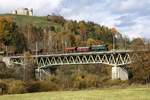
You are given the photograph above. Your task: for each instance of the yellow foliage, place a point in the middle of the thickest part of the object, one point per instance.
(92, 41)
(3, 20)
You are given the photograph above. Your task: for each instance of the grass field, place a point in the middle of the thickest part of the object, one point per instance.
(39, 21)
(101, 94)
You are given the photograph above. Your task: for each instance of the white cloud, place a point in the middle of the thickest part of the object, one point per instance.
(130, 4)
(140, 29)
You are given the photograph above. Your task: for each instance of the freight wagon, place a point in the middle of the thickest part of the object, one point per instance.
(96, 48)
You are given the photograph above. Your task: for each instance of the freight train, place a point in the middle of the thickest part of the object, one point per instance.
(95, 48)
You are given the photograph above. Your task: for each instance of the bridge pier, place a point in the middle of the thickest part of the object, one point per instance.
(41, 73)
(38, 74)
(119, 73)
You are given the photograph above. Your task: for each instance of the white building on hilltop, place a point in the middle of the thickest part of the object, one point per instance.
(23, 11)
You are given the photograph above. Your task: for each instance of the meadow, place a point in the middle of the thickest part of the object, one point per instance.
(99, 94)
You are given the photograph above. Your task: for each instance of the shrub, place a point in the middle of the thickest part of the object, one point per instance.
(16, 87)
(117, 82)
(41, 86)
(51, 83)
(82, 81)
(3, 87)
(48, 86)
(33, 86)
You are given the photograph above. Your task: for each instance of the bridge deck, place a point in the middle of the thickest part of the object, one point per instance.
(76, 53)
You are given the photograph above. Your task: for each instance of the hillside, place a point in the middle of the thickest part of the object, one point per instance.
(52, 33)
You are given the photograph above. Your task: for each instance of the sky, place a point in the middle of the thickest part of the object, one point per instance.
(130, 17)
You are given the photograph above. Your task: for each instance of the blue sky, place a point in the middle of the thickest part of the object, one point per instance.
(130, 17)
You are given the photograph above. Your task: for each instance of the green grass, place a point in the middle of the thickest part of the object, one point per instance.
(27, 20)
(39, 21)
(103, 94)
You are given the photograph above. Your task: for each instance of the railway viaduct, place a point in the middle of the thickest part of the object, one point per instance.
(119, 60)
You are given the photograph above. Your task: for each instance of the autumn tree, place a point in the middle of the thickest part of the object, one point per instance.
(83, 30)
(11, 36)
(91, 41)
(137, 44)
(141, 68)
(68, 27)
(56, 18)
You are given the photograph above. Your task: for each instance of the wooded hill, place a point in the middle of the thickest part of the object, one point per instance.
(52, 33)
